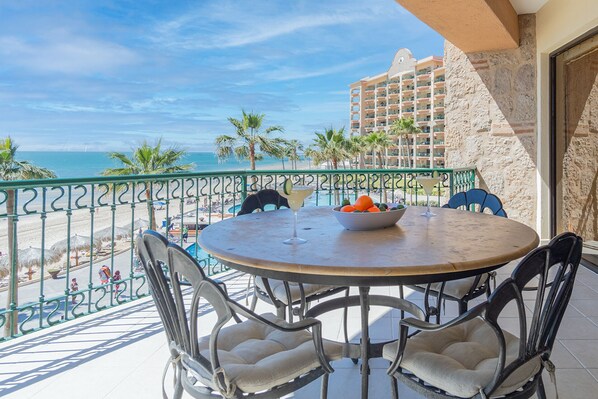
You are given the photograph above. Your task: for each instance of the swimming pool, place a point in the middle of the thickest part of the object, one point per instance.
(196, 251)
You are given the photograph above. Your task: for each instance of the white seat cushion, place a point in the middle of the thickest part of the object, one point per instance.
(457, 288)
(256, 357)
(280, 292)
(462, 359)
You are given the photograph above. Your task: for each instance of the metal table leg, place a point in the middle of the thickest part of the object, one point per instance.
(365, 339)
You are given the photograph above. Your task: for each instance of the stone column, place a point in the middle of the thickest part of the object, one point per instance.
(490, 119)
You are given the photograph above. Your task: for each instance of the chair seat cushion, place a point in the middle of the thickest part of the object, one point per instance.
(280, 292)
(457, 288)
(462, 359)
(255, 357)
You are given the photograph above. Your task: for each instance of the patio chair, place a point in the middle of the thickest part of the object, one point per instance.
(282, 294)
(260, 357)
(463, 290)
(472, 356)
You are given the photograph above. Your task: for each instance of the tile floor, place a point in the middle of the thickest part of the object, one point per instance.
(121, 353)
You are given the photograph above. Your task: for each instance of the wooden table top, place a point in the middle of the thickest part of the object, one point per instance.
(451, 245)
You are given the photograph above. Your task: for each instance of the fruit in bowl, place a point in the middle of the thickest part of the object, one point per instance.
(365, 214)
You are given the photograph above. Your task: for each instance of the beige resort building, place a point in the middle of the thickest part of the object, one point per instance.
(410, 89)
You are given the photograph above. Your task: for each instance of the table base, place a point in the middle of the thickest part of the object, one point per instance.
(365, 349)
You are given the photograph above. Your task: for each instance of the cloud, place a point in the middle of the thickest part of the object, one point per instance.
(65, 53)
(223, 26)
(290, 73)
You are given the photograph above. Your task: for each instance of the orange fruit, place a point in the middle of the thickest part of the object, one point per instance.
(348, 208)
(363, 203)
(374, 209)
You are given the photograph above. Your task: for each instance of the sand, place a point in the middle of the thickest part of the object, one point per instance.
(59, 225)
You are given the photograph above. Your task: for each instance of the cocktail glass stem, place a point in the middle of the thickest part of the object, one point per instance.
(295, 240)
(428, 212)
(295, 225)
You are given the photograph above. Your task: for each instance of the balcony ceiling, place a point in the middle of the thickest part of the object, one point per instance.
(473, 25)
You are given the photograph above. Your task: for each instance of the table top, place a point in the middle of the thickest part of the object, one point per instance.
(417, 249)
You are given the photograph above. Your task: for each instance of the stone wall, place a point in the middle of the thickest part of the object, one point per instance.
(490, 111)
(580, 160)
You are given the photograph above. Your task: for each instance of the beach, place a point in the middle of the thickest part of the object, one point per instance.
(58, 225)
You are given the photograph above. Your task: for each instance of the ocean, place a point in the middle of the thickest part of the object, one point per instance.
(67, 164)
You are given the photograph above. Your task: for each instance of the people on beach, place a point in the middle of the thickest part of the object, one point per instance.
(116, 279)
(185, 233)
(104, 274)
(74, 288)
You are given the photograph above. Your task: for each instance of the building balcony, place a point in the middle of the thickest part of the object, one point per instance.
(100, 347)
(439, 94)
(425, 98)
(369, 99)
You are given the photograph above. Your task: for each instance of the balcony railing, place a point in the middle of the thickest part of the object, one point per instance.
(45, 212)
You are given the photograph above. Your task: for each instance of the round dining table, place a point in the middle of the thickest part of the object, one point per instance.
(417, 250)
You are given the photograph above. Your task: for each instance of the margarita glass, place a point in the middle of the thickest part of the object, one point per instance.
(297, 195)
(428, 183)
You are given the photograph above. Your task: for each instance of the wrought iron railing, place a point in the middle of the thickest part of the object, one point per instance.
(98, 219)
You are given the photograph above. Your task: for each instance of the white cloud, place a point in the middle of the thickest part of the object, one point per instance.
(233, 27)
(65, 53)
(290, 73)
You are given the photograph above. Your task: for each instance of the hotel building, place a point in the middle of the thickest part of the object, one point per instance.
(409, 89)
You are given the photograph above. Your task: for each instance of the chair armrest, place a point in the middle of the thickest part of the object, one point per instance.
(285, 326)
(281, 325)
(426, 326)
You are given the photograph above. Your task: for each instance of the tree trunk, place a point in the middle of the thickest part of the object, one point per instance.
(409, 155)
(12, 323)
(150, 209)
(400, 164)
(252, 156)
(282, 159)
(381, 165)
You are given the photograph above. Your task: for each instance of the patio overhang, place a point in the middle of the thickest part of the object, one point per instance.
(471, 25)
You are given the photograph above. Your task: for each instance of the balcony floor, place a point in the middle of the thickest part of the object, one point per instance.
(121, 353)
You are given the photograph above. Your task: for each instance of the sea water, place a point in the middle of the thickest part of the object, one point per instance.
(70, 164)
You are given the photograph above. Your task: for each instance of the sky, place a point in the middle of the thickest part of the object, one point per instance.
(106, 75)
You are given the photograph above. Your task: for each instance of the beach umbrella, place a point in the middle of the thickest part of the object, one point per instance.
(137, 224)
(77, 243)
(106, 234)
(29, 258)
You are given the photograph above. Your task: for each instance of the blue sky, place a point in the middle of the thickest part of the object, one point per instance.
(105, 75)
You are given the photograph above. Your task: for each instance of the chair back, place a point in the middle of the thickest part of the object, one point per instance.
(260, 199)
(179, 312)
(551, 269)
(479, 197)
(152, 252)
(183, 267)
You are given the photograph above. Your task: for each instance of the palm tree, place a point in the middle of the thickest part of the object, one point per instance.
(294, 147)
(405, 128)
(12, 169)
(355, 147)
(280, 150)
(332, 146)
(249, 140)
(149, 160)
(378, 142)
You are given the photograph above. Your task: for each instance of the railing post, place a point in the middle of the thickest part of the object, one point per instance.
(243, 186)
(452, 183)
